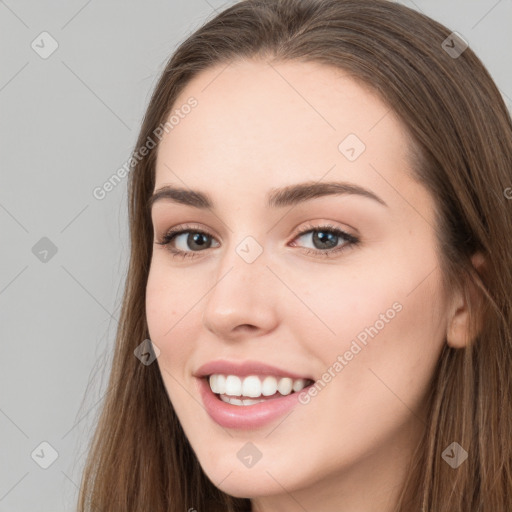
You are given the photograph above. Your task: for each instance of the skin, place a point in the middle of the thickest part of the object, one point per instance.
(257, 127)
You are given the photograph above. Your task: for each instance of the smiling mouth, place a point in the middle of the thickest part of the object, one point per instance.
(253, 389)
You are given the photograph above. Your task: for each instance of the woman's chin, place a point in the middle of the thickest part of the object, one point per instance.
(247, 483)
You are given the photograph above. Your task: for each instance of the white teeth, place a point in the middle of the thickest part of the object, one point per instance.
(217, 382)
(253, 386)
(233, 386)
(269, 386)
(213, 383)
(237, 401)
(285, 386)
(299, 384)
(234, 401)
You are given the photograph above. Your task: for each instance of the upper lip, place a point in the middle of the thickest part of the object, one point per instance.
(244, 368)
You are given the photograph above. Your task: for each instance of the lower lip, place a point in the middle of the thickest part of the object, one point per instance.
(245, 416)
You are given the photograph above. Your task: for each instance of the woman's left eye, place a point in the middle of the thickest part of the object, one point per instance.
(326, 237)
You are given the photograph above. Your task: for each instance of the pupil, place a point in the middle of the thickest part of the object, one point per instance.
(196, 239)
(323, 238)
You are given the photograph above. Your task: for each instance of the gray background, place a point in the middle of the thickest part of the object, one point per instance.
(67, 123)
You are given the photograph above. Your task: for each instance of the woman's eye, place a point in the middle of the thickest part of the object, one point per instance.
(326, 240)
(185, 242)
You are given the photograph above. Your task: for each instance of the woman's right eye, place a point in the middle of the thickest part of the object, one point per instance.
(187, 238)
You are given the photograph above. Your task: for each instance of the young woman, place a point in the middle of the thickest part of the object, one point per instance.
(318, 309)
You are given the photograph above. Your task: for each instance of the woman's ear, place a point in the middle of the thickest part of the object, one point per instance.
(459, 328)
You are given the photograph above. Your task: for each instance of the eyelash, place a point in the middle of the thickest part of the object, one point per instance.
(350, 240)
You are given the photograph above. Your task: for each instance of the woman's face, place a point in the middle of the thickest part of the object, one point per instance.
(362, 315)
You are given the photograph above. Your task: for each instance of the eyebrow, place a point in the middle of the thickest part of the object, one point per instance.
(277, 198)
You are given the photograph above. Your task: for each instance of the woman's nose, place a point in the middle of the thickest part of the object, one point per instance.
(244, 294)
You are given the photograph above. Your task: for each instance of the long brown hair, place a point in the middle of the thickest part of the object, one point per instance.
(461, 136)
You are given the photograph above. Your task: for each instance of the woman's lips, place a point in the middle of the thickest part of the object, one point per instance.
(245, 416)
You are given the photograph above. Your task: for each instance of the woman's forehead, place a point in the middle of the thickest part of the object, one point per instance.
(294, 119)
